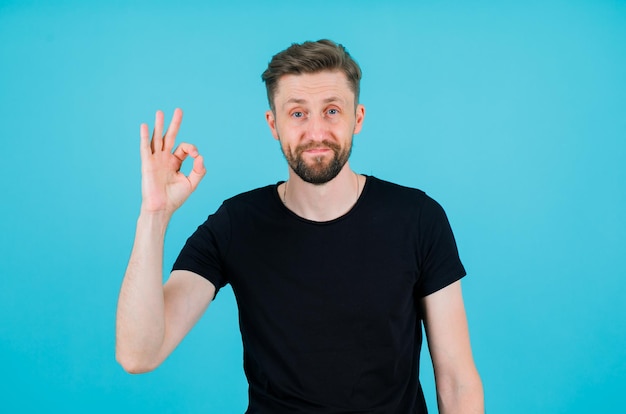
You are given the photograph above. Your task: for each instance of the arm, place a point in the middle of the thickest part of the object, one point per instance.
(459, 388)
(151, 318)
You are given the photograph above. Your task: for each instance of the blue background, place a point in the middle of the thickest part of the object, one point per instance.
(510, 114)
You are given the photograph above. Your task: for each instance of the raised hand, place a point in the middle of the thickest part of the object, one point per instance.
(164, 188)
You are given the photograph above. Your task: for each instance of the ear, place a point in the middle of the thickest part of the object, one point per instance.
(271, 122)
(360, 116)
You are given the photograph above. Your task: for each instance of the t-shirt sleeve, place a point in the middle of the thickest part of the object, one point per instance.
(440, 264)
(206, 248)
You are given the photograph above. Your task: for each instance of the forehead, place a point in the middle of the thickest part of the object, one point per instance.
(313, 87)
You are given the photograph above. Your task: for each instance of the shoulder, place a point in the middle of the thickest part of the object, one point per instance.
(261, 194)
(403, 201)
(389, 189)
(240, 210)
(261, 201)
(391, 193)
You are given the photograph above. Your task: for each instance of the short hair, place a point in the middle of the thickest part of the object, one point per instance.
(311, 57)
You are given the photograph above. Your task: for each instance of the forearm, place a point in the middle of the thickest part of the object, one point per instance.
(140, 311)
(461, 397)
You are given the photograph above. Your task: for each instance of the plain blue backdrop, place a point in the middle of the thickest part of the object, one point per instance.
(510, 114)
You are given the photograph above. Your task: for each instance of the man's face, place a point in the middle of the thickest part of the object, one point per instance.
(314, 119)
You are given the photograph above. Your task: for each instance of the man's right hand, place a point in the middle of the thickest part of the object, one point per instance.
(164, 187)
(151, 318)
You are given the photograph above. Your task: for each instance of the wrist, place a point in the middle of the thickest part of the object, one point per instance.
(158, 219)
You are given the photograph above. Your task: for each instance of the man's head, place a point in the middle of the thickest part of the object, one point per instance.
(313, 92)
(311, 57)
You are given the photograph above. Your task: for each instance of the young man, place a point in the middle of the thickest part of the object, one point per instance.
(333, 271)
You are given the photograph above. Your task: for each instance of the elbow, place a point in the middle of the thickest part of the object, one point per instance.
(133, 364)
(457, 394)
(134, 368)
(136, 357)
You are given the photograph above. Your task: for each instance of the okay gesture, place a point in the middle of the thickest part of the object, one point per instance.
(164, 187)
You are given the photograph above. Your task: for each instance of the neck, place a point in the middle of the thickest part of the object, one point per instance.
(322, 202)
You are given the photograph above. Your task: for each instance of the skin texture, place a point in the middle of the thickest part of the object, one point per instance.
(152, 318)
(315, 119)
(459, 388)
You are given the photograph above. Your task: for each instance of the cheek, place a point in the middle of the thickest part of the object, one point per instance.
(290, 132)
(285, 147)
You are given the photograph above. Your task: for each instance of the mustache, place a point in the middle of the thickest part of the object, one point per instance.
(326, 144)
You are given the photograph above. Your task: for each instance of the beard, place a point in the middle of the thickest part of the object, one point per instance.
(319, 170)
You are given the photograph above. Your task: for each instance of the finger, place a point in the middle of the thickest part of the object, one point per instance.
(197, 173)
(157, 135)
(144, 142)
(184, 150)
(172, 130)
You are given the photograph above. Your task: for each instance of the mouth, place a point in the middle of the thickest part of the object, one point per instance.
(317, 151)
(317, 147)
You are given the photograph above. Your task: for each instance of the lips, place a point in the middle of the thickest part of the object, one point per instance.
(318, 147)
(317, 150)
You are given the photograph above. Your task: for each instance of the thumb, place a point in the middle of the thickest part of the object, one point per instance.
(197, 173)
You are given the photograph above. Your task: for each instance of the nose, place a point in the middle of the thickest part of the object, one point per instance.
(317, 128)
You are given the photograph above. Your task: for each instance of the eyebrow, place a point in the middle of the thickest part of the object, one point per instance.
(300, 101)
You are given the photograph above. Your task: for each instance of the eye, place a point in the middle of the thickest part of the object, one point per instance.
(297, 114)
(333, 111)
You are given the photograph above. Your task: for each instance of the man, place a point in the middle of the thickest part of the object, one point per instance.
(333, 271)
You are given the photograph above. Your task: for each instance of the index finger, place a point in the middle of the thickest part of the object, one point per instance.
(144, 143)
(172, 130)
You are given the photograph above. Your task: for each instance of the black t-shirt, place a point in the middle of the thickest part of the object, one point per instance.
(329, 312)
